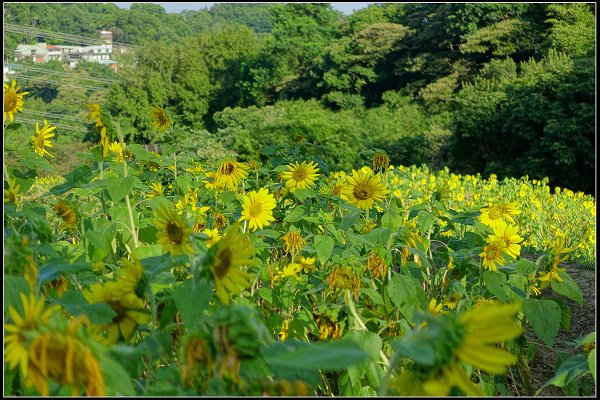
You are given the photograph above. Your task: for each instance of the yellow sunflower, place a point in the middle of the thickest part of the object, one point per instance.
(493, 253)
(41, 139)
(494, 213)
(62, 357)
(257, 208)
(213, 236)
(230, 174)
(226, 257)
(101, 126)
(300, 176)
(129, 309)
(363, 189)
(307, 263)
(12, 195)
(173, 234)
(160, 119)
(35, 315)
(13, 100)
(509, 234)
(157, 190)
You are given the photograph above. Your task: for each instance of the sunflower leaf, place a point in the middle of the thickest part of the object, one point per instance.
(544, 317)
(324, 246)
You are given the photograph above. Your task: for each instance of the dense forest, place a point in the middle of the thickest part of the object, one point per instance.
(503, 88)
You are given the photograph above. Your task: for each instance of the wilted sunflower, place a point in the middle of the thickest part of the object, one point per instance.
(230, 174)
(13, 100)
(67, 213)
(293, 242)
(300, 176)
(64, 358)
(101, 126)
(41, 139)
(160, 119)
(173, 232)
(257, 208)
(35, 314)
(363, 189)
(380, 161)
(226, 257)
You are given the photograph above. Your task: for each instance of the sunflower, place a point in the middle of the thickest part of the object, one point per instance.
(64, 358)
(225, 258)
(118, 150)
(257, 208)
(12, 195)
(300, 176)
(41, 139)
(494, 213)
(363, 189)
(213, 236)
(67, 213)
(484, 325)
(173, 232)
(101, 127)
(307, 263)
(380, 161)
(289, 271)
(160, 119)
(377, 263)
(344, 278)
(508, 233)
(293, 242)
(493, 253)
(157, 190)
(35, 315)
(13, 100)
(129, 309)
(230, 174)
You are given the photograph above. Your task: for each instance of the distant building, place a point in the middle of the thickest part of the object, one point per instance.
(71, 55)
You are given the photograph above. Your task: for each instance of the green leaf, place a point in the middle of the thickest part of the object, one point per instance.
(324, 246)
(116, 378)
(568, 288)
(417, 347)
(75, 178)
(591, 360)
(191, 301)
(295, 215)
(544, 317)
(525, 267)
(569, 370)
(119, 188)
(13, 285)
(406, 293)
(76, 304)
(424, 221)
(327, 356)
(496, 283)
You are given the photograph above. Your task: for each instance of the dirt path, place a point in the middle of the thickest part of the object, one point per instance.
(583, 321)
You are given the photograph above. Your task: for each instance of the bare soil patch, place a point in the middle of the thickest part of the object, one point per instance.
(583, 321)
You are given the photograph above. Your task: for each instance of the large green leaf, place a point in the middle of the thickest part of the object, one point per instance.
(406, 293)
(568, 288)
(13, 285)
(324, 246)
(192, 298)
(496, 283)
(326, 356)
(544, 317)
(116, 378)
(569, 370)
(119, 188)
(76, 304)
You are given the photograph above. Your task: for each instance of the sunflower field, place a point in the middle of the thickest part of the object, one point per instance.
(147, 274)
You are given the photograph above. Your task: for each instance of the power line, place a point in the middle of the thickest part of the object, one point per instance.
(35, 79)
(65, 74)
(51, 115)
(66, 127)
(41, 32)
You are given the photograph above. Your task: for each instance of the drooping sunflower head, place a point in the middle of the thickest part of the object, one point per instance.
(363, 189)
(160, 119)
(257, 208)
(66, 359)
(300, 176)
(66, 211)
(41, 139)
(13, 100)
(294, 242)
(378, 262)
(344, 277)
(230, 174)
(380, 161)
(225, 260)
